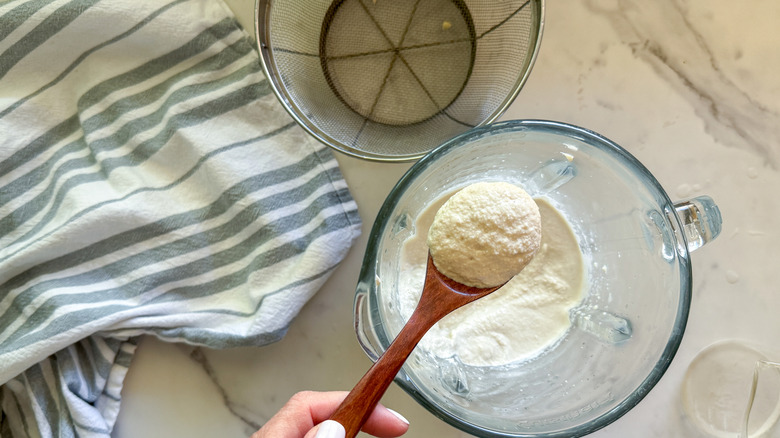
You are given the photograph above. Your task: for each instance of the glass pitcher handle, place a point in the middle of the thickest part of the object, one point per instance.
(701, 220)
(763, 407)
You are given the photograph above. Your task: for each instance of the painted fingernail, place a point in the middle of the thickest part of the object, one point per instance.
(400, 417)
(330, 429)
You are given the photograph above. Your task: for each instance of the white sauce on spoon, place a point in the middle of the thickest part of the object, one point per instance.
(516, 322)
(485, 234)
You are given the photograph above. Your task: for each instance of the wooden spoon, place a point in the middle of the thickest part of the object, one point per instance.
(440, 296)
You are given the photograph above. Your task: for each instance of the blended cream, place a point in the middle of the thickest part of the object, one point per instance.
(519, 320)
(485, 234)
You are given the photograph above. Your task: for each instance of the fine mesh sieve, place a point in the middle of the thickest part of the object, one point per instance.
(389, 80)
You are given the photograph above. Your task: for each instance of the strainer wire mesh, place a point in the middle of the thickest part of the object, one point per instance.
(391, 79)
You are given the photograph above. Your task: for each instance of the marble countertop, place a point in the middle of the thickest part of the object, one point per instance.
(690, 87)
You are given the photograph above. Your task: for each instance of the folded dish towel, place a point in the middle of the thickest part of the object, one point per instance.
(150, 183)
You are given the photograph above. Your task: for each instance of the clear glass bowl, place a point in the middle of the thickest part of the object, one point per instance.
(636, 244)
(732, 390)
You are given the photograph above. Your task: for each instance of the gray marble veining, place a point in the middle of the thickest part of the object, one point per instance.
(690, 87)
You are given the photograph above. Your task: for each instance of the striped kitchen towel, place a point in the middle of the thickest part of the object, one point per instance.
(150, 183)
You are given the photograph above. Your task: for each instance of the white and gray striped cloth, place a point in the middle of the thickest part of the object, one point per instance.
(150, 183)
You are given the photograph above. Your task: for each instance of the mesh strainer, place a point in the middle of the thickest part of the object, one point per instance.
(389, 80)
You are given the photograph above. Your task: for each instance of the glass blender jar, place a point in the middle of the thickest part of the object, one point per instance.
(636, 242)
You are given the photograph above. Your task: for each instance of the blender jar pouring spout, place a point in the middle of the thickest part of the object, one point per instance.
(700, 219)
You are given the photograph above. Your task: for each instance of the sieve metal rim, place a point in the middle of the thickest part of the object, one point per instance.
(262, 37)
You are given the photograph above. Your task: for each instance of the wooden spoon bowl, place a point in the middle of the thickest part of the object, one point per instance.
(440, 296)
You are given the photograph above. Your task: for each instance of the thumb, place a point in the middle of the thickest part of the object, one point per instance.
(329, 429)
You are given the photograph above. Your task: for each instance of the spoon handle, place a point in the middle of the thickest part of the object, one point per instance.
(361, 401)
(440, 296)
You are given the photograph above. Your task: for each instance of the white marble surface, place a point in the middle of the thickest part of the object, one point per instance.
(690, 87)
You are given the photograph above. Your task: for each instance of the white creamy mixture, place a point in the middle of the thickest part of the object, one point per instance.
(516, 322)
(485, 234)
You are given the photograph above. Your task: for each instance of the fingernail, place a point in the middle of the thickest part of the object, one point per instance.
(400, 417)
(330, 429)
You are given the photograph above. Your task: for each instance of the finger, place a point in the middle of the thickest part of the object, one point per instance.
(385, 423)
(382, 423)
(294, 419)
(300, 414)
(306, 409)
(327, 429)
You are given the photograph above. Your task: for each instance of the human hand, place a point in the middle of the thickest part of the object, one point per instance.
(304, 415)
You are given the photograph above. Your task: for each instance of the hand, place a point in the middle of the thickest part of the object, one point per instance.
(304, 415)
